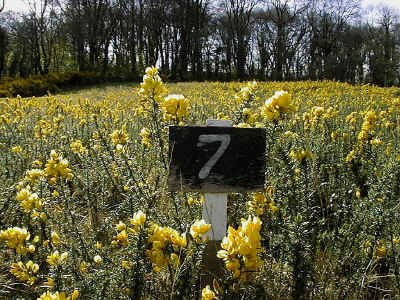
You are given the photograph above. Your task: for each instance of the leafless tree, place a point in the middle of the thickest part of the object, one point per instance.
(238, 20)
(203, 39)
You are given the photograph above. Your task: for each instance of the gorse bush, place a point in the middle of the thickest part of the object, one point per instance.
(39, 85)
(85, 212)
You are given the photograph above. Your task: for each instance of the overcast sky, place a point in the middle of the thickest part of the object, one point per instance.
(20, 5)
(392, 3)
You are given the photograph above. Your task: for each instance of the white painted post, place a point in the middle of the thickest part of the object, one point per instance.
(215, 204)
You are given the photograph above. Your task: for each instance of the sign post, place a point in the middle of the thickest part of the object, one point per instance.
(215, 212)
(216, 159)
(215, 204)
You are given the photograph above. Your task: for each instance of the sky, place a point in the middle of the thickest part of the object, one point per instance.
(20, 5)
(390, 3)
(16, 5)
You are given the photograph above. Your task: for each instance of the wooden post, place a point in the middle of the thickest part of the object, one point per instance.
(214, 213)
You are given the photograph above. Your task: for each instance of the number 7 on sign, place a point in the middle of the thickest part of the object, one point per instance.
(204, 139)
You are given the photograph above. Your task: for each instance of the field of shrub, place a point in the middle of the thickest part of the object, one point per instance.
(40, 85)
(85, 211)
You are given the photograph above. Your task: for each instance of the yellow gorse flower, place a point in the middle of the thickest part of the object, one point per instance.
(280, 102)
(259, 202)
(119, 137)
(50, 282)
(199, 229)
(240, 248)
(245, 94)
(160, 237)
(207, 294)
(25, 272)
(126, 264)
(145, 134)
(152, 85)
(78, 148)
(381, 250)
(83, 267)
(16, 149)
(300, 155)
(121, 238)
(175, 106)
(55, 238)
(16, 238)
(56, 258)
(57, 167)
(75, 295)
(120, 226)
(138, 219)
(34, 175)
(54, 296)
(28, 201)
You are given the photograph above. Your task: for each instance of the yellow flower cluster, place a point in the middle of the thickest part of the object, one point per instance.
(245, 94)
(59, 296)
(34, 175)
(78, 148)
(152, 85)
(318, 115)
(260, 201)
(57, 120)
(43, 129)
(57, 167)
(25, 272)
(119, 136)
(241, 248)
(352, 119)
(351, 156)
(175, 107)
(138, 219)
(29, 201)
(145, 134)
(126, 264)
(207, 294)
(366, 134)
(55, 238)
(367, 128)
(280, 102)
(300, 155)
(16, 238)
(199, 229)
(122, 237)
(381, 251)
(250, 117)
(161, 238)
(55, 258)
(16, 149)
(195, 201)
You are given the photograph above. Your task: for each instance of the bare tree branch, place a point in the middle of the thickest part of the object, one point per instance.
(2, 7)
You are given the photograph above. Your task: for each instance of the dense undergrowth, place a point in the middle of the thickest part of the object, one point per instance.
(40, 85)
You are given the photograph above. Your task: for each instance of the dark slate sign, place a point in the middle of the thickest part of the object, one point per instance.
(216, 159)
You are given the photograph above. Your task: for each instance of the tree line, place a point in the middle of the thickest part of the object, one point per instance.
(203, 40)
